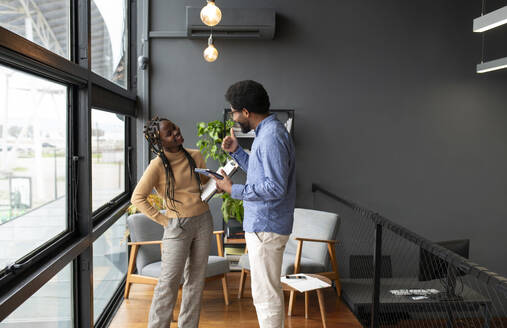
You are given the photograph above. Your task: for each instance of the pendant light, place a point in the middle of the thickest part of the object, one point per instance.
(210, 53)
(211, 14)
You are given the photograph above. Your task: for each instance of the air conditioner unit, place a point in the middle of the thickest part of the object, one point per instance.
(236, 23)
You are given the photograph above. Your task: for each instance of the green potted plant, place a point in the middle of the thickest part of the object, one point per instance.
(154, 199)
(210, 139)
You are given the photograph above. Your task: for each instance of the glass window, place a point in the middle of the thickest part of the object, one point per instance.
(108, 157)
(51, 306)
(109, 264)
(110, 40)
(33, 167)
(43, 22)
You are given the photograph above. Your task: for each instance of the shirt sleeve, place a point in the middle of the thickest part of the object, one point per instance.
(241, 157)
(143, 189)
(200, 163)
(275, 163)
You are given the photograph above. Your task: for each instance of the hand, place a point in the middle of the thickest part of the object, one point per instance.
(224, 185)
(219, 191)
(230, 143)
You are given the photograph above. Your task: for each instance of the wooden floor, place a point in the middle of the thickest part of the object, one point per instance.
(133, 313)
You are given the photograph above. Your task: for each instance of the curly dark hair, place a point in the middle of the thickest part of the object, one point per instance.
(152, 135)
(250, 95)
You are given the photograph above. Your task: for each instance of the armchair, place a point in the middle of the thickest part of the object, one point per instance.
(317, 231)
(146, 236)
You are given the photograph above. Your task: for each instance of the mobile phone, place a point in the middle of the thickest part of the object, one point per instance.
(295, 277)
(209, 173)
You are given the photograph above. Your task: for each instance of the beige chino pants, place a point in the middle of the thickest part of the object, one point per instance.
(185, 248)
(265, 253)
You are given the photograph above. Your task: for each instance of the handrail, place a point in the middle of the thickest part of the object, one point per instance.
(469, 267)
(355, 207)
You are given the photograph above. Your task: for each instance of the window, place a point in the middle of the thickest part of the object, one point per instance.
(33, 166)
(110, 40)
(48, 92)
(108, 157)
(43, 22)
(51, 306)
(109, 264)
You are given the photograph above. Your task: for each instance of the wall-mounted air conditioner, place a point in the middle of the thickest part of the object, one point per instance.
(237, 23)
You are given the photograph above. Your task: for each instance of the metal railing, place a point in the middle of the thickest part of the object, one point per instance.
(393, 277)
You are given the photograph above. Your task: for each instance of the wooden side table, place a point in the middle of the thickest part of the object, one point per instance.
(319, 295)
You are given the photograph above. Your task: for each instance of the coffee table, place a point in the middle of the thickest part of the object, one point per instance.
(320, 296)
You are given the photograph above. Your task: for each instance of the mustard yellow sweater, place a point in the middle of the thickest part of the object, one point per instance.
(186, 189)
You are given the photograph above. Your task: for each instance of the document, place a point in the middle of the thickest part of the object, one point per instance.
(414, 292)
(210, 188)
(306, 284)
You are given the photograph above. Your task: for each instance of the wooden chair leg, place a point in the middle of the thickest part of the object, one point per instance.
(291, 302)
(322, 307)
(130, 270)
(306, 305)
(127, 289)
(242, 280)
(338, 286)
(334, 264)
(297, 262)
(226, 289)
(175, 318)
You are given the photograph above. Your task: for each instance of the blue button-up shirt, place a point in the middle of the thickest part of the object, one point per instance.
(269, 194)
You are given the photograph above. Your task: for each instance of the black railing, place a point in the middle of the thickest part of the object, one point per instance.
(405, 280)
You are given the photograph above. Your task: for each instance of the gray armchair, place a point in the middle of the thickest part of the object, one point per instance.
(317, 230)
(146, 241)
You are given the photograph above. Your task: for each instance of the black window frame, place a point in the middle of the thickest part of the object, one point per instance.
(105, 209)
(86, 89)
(19, 266)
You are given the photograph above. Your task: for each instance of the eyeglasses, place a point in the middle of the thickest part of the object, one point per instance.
(232, 112)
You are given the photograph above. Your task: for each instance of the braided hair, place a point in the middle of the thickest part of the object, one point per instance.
(152, 135)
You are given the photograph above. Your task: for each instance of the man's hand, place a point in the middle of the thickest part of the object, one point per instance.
(230, 143)
(225, 184)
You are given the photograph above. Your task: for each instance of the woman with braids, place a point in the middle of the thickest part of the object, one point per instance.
(187, 223)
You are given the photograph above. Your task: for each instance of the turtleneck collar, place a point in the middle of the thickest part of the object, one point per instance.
(174, 156)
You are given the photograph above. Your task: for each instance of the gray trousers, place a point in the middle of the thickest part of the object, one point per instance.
(185, 249)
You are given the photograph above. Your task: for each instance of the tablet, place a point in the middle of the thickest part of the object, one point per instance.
(209, 173)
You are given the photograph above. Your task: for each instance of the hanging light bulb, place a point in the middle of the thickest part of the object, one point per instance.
(210, 53)
(211, 14)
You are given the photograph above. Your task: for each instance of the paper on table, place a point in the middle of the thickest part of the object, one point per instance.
(304, 285)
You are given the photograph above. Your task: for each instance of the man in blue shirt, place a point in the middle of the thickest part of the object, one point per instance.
(268, 195)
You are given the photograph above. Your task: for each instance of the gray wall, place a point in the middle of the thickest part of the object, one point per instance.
(389, 110)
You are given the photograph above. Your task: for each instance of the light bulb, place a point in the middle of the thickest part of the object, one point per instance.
(210, 53)
(211, 14)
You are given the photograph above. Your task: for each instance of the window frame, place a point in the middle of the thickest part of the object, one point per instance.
(129, 18)
(84, 92)
(16, 306)
(53, 243)
(107, 208)
(108, 311)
